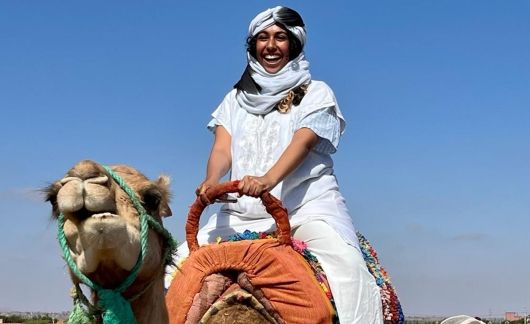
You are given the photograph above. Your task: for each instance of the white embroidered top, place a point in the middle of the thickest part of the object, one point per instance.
(310, 192)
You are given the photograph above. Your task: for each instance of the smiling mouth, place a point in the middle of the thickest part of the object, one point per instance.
(272, 59)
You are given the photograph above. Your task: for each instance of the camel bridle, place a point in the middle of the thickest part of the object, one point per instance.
(112, 306)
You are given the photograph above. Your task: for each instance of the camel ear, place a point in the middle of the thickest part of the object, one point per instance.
(163, 184)
(163, 181)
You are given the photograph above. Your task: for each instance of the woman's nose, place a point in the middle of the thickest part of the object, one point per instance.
(271, 44)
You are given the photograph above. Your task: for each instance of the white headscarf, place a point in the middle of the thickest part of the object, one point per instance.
(260, 91)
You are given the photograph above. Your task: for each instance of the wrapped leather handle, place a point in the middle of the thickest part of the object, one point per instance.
(272, 204)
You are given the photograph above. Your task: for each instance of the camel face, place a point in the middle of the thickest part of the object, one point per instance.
(101, 224)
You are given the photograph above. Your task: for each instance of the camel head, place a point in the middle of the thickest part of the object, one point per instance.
(103, 230)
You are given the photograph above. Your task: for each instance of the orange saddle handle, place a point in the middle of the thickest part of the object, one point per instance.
(272, 204)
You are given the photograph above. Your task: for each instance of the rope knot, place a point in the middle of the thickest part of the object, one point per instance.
(117, 310)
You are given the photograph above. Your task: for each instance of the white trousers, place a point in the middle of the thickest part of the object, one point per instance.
(354, 289)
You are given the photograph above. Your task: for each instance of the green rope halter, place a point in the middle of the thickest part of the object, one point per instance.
(116, 309)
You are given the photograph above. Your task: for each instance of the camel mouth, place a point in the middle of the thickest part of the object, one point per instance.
(85, 214)
(103, 215)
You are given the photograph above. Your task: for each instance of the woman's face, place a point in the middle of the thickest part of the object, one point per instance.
(272, 48)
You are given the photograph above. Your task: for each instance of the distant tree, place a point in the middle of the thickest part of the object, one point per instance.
(36, 319)
(14, 319)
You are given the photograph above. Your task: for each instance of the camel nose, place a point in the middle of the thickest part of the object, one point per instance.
(87, 169)
(103, 180)
(86, 189)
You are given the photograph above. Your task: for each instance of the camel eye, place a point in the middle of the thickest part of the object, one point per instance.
(152, 198)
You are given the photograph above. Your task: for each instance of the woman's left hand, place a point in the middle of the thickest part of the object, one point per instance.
(255, 186)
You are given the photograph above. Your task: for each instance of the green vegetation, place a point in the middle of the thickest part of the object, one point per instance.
(27, 319)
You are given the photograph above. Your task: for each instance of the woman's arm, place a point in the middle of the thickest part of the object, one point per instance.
(220, 160)
(301, 144)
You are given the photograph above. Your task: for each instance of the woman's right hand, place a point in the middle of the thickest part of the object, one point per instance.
(203, 187)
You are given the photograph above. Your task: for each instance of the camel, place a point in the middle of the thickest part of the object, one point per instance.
(101, 213)
(102, 229)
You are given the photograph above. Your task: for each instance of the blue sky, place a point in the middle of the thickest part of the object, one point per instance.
(434, 163)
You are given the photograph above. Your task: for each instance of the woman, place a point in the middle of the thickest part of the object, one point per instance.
(276, 130)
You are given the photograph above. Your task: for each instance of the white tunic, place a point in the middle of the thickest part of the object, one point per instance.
(310, 192)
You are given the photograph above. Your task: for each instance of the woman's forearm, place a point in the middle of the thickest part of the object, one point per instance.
(301, 144)
(220, 160)
(218, 165)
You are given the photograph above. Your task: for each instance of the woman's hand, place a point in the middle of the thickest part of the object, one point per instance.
(203, 187)
(255, 186)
